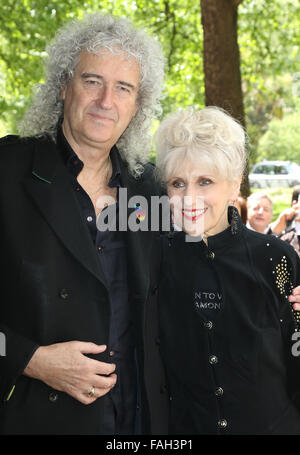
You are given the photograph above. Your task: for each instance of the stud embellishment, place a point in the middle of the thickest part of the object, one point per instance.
(234, 224)
(283, 277)
(284, 284)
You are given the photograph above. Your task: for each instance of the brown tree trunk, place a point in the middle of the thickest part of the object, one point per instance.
(223, 85)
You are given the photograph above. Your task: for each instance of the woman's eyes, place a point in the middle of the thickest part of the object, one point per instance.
(204, 182)
(178, 184)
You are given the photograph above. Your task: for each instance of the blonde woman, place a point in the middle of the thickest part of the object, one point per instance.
(227, 329)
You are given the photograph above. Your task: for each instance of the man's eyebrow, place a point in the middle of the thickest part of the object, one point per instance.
(98, 76)
(86, 75)
(128, 84)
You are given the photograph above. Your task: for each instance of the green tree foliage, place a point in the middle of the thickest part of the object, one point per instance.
(268, 38)
(177, 25)
(282, 139)
(26, 28)
(28, 25)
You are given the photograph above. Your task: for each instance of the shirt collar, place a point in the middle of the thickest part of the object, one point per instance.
(266, 231)
(75, 165)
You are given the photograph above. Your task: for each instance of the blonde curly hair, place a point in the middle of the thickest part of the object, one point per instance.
(209, 136)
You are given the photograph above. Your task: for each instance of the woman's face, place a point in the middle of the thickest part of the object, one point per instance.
(200, 198)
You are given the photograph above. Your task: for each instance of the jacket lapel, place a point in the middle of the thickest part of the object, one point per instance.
(50, 187)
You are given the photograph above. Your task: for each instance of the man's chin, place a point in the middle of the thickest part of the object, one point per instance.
(101, 138)
(260, 225)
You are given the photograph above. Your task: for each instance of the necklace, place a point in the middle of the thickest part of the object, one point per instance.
(103, 184)
(204, 238)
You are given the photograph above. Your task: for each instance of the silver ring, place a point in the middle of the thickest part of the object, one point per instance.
(91, 393)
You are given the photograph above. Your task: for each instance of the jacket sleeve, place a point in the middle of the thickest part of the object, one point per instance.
(15, 353)
(290, 320)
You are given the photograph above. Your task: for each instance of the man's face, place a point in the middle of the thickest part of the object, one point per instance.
(260, 214)
(100, 100)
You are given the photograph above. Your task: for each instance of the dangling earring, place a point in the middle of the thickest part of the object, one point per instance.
(234, 222)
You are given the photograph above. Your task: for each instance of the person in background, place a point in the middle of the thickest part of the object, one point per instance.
(226, 324)
(260, 212)
(290, 224)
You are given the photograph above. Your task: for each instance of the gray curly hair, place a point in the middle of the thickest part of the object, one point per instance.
(90, 34)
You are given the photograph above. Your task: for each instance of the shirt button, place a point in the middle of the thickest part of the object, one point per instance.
(208, 324)
(219, 391)
(53, 397)
(222, 423)
(111, 353)
(100, 248)
(64, 294)
(213, 359)
(89, 219)
(211, 255)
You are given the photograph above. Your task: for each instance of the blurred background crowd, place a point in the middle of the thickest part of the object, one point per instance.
(257, 213)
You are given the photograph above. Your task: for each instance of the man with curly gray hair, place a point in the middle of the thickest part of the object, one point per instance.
(74, 297)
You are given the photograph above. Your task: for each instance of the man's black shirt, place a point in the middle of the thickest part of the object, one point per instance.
(120, 402)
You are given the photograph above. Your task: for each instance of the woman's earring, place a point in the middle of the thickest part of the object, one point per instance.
(234, 223)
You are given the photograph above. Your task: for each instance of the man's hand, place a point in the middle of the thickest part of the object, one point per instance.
(295, 297)
(64, 367)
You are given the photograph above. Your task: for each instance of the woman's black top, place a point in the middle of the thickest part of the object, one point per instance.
(226, 331)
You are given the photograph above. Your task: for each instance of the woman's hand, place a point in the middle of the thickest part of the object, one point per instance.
(295, 298)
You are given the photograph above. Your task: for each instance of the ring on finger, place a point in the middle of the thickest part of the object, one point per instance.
(91, 392)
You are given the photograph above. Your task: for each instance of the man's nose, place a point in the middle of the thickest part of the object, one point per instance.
(260, 210)
(105, 98)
